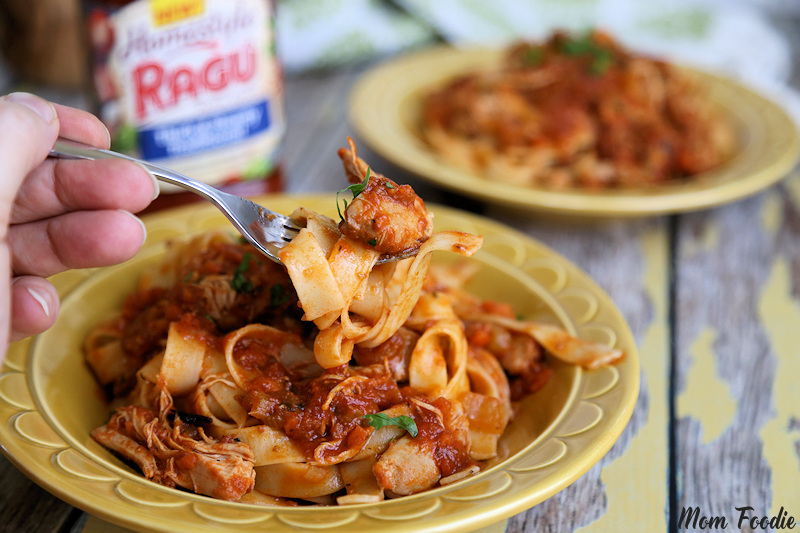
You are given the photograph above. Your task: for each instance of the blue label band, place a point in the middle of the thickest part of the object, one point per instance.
(207, 133)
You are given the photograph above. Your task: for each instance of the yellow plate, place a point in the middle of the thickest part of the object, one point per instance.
(49, 401)
(385, 110)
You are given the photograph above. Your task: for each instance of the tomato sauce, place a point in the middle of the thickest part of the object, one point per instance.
(442, 443)
(298, 408)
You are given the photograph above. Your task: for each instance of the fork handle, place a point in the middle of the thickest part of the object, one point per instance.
(64, 149)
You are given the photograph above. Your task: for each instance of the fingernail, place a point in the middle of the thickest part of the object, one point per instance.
(139, 220)
(40, 106)
(156, 188)
(41, 299)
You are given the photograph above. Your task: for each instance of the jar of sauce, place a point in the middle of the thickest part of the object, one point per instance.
(192, 85)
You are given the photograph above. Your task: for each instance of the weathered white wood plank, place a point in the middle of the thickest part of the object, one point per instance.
(629, 259)
(738, 312)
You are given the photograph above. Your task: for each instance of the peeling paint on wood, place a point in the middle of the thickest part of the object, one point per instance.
(707, 398)
(780, 315)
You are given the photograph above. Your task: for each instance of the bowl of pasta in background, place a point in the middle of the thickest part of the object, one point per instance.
(50, 401)
(386, 109)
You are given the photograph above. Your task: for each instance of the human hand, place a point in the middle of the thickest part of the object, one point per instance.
(58, 214)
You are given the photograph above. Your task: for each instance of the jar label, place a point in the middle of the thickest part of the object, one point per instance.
(191, 84)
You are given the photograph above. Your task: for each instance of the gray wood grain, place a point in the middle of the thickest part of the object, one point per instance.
(719, 286)
(612, 254)
(24, 506)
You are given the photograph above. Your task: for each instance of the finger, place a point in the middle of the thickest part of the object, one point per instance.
(28, 128)
(81, 239)
(34, 306)
(58, 186)
(83, 127)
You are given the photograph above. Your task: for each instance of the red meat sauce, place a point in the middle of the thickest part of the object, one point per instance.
(297, 408)
(450, 453)
(205, 289)
(285, 401)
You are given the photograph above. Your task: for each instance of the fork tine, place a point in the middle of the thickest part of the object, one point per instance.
(289, 232)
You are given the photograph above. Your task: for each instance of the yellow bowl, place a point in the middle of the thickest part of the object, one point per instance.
(49, 401)
(385, 110)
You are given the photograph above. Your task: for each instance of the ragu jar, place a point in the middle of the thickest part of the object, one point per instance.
(192, 85)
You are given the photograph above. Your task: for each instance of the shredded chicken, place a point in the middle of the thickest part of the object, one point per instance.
(218, 294)
(180, 455)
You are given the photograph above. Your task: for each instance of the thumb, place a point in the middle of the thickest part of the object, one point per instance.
(28, 128)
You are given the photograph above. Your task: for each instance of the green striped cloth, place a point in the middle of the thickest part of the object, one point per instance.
(713, 34)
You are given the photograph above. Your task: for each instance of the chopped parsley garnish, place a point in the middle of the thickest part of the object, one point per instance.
(240, 283)
(390, 185)
(189, 276)
(278, 296)
(576, 47)
(533, 57)
(372, 242)
(379, 420)
(602, 57)
(355, 188)
(602, 62)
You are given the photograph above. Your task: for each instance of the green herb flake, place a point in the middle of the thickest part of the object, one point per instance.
(533, 57)
(337, 205)
(372, 242)
(602, 57)
(188, 276)
(278, 296)
(390, 185)
(355, 188)
(575, 47)
(379, 420)
(239, 282)
(601, 63)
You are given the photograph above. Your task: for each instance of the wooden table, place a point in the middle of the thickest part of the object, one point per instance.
(713, 299)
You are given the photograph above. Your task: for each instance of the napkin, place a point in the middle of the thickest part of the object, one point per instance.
(731, 37)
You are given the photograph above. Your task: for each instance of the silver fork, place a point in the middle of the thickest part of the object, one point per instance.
(266, 230)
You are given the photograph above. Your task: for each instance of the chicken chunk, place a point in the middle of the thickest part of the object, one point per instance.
(405, 469)
(388, 216)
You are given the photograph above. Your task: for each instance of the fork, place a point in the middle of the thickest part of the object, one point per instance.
(265, 229)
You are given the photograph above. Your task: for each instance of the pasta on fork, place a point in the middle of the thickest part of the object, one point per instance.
(330, 379)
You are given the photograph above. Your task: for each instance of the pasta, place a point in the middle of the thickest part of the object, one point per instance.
(330, 379)
(577, 111)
